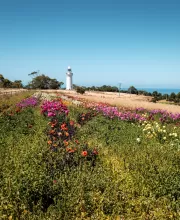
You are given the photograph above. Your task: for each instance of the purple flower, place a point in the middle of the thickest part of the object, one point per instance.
(29, 102)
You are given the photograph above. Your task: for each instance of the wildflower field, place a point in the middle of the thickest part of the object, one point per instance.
(66, 158)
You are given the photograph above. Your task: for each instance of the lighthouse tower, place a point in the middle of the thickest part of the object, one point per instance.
(69, 75)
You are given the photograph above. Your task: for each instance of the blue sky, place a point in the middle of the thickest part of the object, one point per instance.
(135, 42)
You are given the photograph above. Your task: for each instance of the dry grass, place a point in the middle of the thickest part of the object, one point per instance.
(4, 92)
(125, 100)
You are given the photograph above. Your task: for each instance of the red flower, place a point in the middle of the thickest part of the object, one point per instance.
(84, 153)
(54, 181)
(53, 125)
(77, 142)
(71, 123)
(95, 152)
(63, 127)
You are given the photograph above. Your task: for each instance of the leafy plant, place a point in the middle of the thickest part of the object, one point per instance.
(80, 90)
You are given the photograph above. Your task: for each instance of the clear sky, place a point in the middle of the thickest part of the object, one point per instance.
(136, 42)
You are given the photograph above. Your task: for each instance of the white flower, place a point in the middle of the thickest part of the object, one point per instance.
(138, 140)
(164, 138)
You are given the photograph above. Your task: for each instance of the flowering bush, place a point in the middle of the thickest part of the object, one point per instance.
(53, 108)
(159, 132)
(42, 96)
(128, 114)
(162, 115)
(113, 112)
(61, 131)
(55, 174)
(82, 118)
(29, 102)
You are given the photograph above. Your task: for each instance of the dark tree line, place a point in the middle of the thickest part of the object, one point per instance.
(104, 88)
(156, 96)
(6, 83)
(44, 82)
(37, 82)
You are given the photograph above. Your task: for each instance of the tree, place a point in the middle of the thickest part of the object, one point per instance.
(172, 96)
(165, 96)
(132, 90)
(44, 82)
(61, 84)
(178, 95)
(17, 84)
(7, 83)
(75, 86)
(80, 90)
(1, 80)
(155, 94)
(54, 84)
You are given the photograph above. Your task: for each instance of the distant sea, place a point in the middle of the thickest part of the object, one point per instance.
(161, 90)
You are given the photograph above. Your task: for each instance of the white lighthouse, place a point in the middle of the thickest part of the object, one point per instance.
(69, 75)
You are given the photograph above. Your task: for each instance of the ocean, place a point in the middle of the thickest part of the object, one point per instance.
(161, 90)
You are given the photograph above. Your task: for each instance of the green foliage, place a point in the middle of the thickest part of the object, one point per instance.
(132, 90)
(172, 96)
(8, 102)
(131, 180)
(150, 170)
(154, 99)
(104, 88)
(6, 83)
(80, 90)
(44, 82)
(17, 84)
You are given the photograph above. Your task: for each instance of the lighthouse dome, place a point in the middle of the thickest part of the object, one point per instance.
(69, 68)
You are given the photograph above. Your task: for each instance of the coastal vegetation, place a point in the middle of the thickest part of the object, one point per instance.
(45, 82)
(67, 158)
(6, 83)
(37, 82)
(155, 96)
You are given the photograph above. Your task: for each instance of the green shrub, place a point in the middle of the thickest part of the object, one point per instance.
(80, 90)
